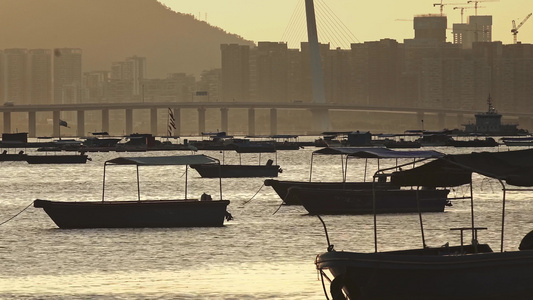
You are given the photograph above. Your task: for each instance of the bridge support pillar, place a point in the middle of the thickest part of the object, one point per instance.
(81, 123)
(129, 121)
(273, 121)
(7, 122)
(32, 124)
(251, 121)
(153, 121)
(420, 119)
(55, 123)
(201, 120)
(105, 120)
(224, 119)
(442, 120)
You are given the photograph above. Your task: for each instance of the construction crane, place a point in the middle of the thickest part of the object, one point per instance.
(444, 4)
(477, 1)
(462, 8)
(514, 31)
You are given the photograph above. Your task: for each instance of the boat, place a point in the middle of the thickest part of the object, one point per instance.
(476, 142)
(19, 156)
(490, 123)
(462, 271)
(359, 201)
(518, 141)
(238, 171)
(353, 196)
(80, 158)
(187, 212)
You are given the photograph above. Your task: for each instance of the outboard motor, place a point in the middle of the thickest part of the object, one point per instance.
(527, 242)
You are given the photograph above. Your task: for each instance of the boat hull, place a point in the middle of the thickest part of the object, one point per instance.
(494, 275)
(56, 159)
(282, 188)
(237, 171)
(330, 202)
(135, 214)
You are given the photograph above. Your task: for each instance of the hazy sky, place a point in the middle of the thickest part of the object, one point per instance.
(370, 20)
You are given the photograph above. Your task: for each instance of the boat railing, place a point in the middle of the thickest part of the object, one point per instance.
(474, 237)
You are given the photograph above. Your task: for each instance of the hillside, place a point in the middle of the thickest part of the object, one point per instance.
(111, 30)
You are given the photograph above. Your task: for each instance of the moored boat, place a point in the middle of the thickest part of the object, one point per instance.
(57, 159)
(355, 197)
(464, 271)
(237, 171)
(187, 212)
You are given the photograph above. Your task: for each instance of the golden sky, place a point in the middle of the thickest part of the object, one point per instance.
(360, 21)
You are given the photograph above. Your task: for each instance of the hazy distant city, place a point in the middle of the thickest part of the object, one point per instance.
(423, 72)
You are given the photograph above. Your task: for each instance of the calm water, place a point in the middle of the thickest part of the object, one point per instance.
(264, 253)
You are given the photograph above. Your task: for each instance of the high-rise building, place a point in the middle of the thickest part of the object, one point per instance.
(15, 76)
(134, 69)
(430, 27)
(40, 76)
(67, 75)
(477, 29)
(235, 72)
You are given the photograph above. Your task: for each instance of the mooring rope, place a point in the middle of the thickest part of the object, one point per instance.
(278, 208)
(246, 202)
(16, 214)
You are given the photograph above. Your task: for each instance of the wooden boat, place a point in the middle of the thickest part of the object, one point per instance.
(518, 141)
(318, 201)
(57, 159)
(141, 213)
(356, 197)
(282, 187)
(237, 171)
(20, 156)
(463, 271)
(486, 142)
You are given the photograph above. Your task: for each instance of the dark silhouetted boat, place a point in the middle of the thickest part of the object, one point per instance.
(57, 159)
(141, 213)
(237, 171)
(461, 272)
(344, 197)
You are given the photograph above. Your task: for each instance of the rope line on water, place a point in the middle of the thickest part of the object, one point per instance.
(16, 214)
(278, 208)
(246, 202)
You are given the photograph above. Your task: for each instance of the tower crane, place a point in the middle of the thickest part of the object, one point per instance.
(444, 4)
(462, 8)
(477, 1)
(514, 31)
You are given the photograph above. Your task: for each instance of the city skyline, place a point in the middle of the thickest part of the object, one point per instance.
(367, 21)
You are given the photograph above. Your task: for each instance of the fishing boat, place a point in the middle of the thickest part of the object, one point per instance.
(187, 212)
(518, 141)
(464, 271)
(19, 156)
(80, 158)
(355, 197)
(240, 170)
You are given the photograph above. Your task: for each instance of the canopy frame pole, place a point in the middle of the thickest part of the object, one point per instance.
(503, 213)
(474, 233)
(103, 183)
(186, 177)
(366, 167)
(311, 168)
(138, 185)
(342, 169)
(375, 214)
(420, 217)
